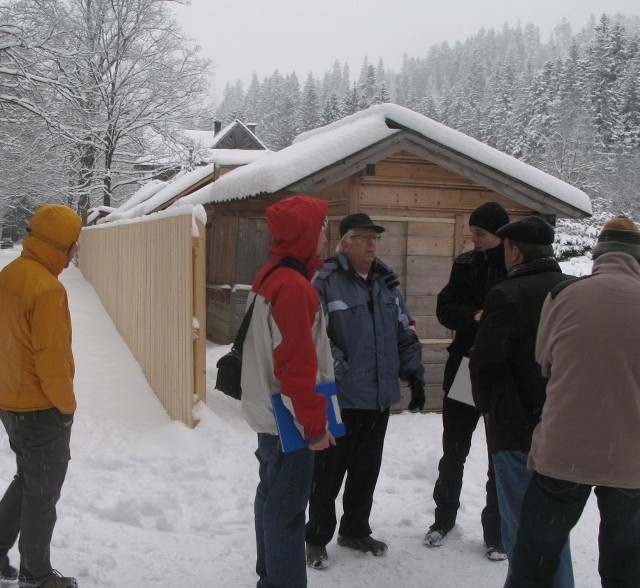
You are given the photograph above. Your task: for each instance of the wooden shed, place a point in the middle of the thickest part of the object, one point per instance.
(416, 177)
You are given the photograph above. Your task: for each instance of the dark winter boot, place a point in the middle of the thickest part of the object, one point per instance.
(364, 544)
(54, 580)
(317, 557)
(7, 572)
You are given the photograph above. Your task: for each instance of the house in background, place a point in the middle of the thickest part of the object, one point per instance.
(416, 177)
(211, 153)
(198, 148)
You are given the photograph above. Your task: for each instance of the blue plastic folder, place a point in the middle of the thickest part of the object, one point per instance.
(290, 437)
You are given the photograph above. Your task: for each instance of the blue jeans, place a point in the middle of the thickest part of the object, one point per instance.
(281, 501)
(512, 480)
(551, 509)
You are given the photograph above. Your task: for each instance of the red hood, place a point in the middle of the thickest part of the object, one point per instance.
(295, 224)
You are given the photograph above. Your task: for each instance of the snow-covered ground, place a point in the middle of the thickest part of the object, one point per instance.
(149, 503)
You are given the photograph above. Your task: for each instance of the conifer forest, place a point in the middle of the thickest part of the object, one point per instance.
(82, 91)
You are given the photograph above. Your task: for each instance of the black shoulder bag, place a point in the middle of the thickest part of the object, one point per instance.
(230, 365)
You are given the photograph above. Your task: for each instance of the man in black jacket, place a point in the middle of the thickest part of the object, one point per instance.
(507, 383)
(459, 308)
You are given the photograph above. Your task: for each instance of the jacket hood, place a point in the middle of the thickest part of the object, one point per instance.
(295, 224)
(52, 231)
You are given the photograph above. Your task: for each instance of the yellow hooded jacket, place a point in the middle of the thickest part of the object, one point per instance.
(36, 361)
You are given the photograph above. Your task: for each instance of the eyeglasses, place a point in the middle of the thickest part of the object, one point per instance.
(372, 238)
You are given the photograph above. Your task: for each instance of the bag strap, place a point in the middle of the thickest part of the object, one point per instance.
(289, 262)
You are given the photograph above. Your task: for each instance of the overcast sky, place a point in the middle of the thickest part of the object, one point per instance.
(243, 36)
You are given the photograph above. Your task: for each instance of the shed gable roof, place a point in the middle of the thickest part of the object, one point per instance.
(322, 156)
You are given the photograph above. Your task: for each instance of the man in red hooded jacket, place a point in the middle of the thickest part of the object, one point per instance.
(287, 351)
(37, 400)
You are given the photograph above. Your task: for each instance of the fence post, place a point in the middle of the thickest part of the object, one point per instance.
(200, 314)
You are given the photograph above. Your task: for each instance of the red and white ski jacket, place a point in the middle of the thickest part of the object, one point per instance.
(286, 349)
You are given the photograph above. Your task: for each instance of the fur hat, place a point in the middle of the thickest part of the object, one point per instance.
(356, 221)
(618, 234)
(529, 229)
(489, 216)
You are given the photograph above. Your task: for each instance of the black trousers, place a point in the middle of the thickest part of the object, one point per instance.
(459, 421)
(359, 455)
(551, 508)
(40, 440)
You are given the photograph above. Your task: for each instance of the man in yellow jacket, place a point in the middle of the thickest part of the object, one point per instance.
(37, 401)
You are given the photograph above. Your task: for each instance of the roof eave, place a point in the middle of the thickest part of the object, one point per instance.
(448, 158)
(489, 177)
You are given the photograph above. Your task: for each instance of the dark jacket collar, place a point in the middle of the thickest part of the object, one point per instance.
(535, 266)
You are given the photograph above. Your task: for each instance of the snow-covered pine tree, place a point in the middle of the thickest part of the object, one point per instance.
(331, 111)
(352, 101)
(576, 238)
(310, 116)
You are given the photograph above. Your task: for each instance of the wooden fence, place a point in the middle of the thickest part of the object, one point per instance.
(150, 277)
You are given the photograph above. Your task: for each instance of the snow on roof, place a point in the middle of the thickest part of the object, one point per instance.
(94, 213)
(156, 199)
(207, 141)
(235, 156)
(317, 149)
(143, 194)
(226, 130)
(219, 156)
(204, 138)
(282, 168)
(196, 212)
(210, 139)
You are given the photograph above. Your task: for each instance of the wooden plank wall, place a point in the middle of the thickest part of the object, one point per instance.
(222, 234)
(225, 310)
(252, 248)
(425, 209)
(238, 246)
(150, 278)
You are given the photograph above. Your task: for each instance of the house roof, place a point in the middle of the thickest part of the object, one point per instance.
(156, 193)
(97, 211)
(236, 143)
(236, 135)
(322, 156)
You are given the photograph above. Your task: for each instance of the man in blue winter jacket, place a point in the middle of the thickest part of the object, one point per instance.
(373, 342)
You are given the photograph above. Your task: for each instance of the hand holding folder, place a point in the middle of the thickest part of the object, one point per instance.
(290, 437)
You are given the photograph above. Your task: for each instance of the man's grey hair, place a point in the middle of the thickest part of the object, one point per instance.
(345, 238)
(531, 251)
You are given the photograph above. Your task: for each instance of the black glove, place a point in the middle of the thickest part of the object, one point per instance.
(417, 395)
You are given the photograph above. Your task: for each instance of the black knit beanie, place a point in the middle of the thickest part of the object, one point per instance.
(489, 216)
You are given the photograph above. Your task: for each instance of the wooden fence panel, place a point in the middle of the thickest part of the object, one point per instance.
(150, 277)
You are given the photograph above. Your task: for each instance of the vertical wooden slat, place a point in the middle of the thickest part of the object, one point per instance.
(200, 310)
(150, 280)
